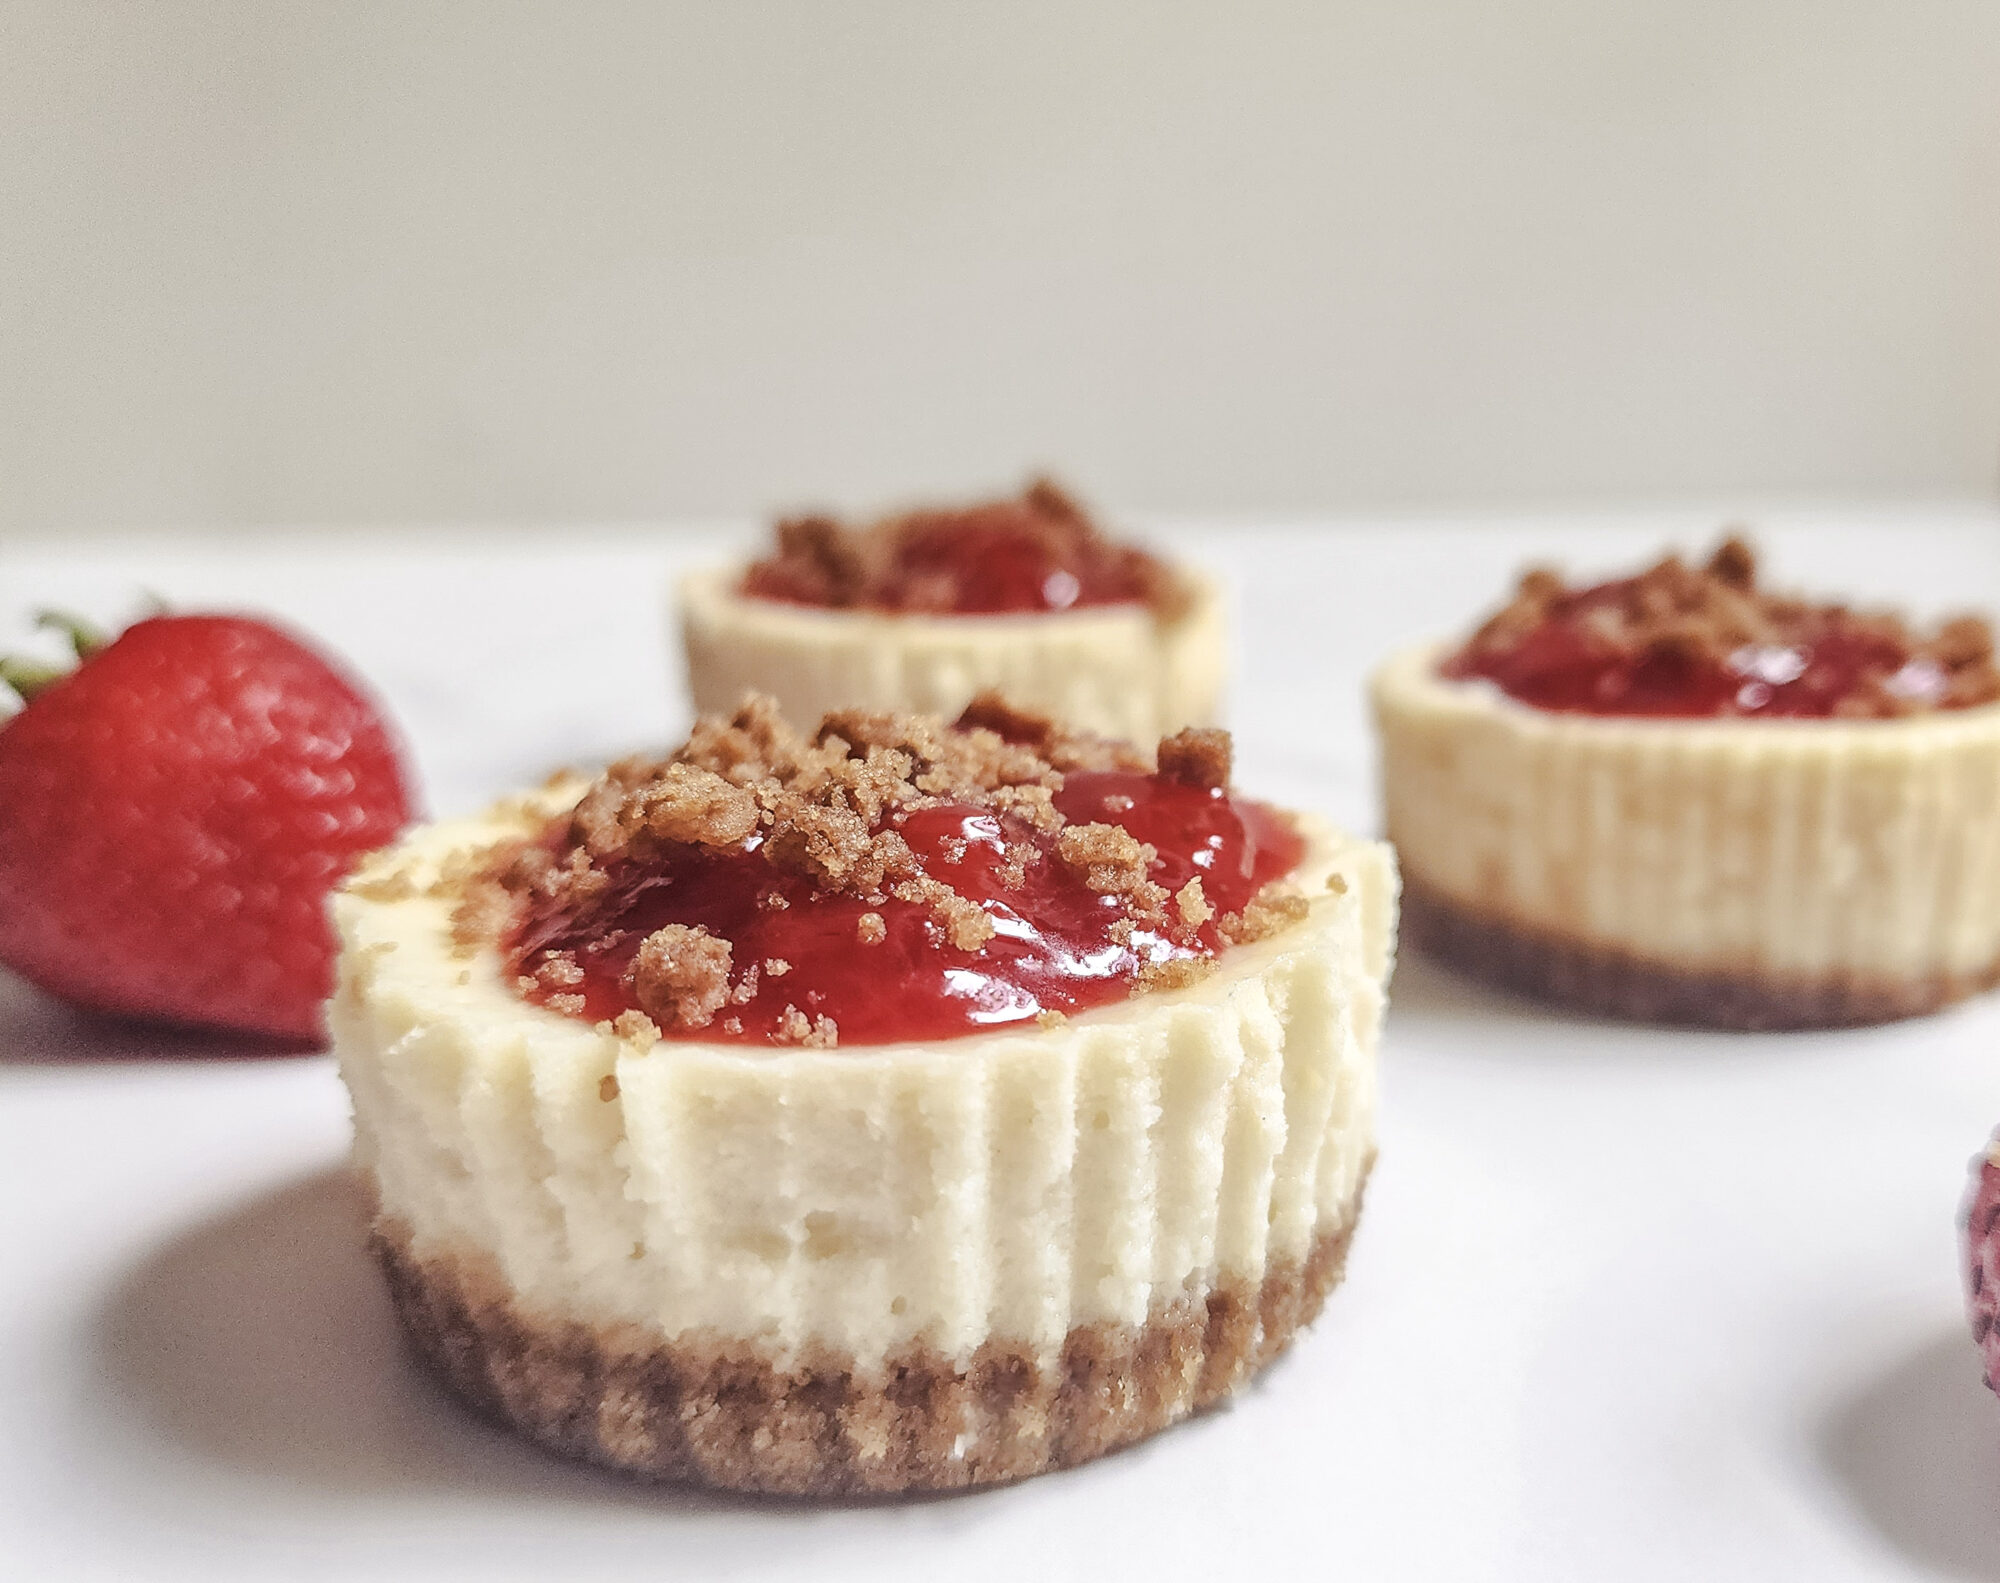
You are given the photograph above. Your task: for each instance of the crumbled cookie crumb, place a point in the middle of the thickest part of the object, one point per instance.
(817, 1033)
(558, 970)
(1337, 883)
(680, 976)
(1048, 1018)
(991, 711)
(1174, 973)
(1734, 563)
(1193, 905)
(1114, 862)
(964, 922)
(1197, 756)
(1113, 859)
(1714, 613)
(1273, 908)
(484, 911)
(607, 1087)
(825, 813)
(638, 804)
(1066, 750)
(893, 564)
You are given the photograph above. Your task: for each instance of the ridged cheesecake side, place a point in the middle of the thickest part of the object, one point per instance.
(1738, 872)
(653, 1256)
(1124, 671)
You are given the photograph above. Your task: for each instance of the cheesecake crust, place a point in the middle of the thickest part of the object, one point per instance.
(726, 1413)
(1616, 983)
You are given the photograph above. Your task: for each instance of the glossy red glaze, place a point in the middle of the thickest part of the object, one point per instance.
(1053, 950)
(991, 560)
(1562, 666)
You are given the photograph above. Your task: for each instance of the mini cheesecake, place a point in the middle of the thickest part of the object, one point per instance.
(1676, 797)
(909, 1106)
(924, 610)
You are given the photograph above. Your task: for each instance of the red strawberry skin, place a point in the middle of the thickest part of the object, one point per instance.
(1982, 1259)
(172, 816)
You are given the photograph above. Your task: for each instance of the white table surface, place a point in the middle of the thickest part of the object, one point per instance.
(1626, 1303)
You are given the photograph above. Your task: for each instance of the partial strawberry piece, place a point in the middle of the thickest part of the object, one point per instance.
(172, 816)
(1982, 1258)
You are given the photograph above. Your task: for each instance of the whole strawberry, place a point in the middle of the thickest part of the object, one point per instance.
(1982, 1258)
(172, 815)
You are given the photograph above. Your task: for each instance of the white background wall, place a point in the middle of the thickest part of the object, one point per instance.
(350, 262)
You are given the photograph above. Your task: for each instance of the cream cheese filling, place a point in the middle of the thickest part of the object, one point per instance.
(1119, 670)
(1801, 849)
(1012, 1185)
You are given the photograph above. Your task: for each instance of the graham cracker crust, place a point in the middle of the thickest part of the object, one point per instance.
(720, 1412)
(1614, 983)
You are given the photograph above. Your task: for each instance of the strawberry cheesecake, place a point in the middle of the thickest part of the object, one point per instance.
(922, 610)
(905, 1106)
(1680, 797)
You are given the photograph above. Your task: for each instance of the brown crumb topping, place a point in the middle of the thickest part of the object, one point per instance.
(1063, 749)
(828, 809)
(1038, 551)
(1197, 757)
(1193, 904)
(809, 1033)
(1715, 615)
(1176, 972)
(638, 805)
(1271, 910)
(680, 976)
(1114, 862)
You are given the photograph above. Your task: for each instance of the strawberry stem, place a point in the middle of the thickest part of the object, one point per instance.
(28, 677)
(85, 638)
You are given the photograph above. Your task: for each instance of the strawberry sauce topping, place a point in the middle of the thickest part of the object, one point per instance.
(1038, 552)
(1686, 642)
(1010, 891)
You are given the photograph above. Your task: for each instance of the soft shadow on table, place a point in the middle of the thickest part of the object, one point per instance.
(1917, 1450)
(1427, 990)
(263, 1344)
(39, 1030)
(1424, 985)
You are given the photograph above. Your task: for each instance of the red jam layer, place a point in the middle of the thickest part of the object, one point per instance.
(989, 560)
(1562, 665)
(1052, 949)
